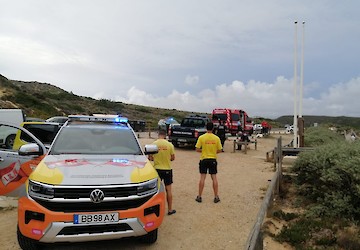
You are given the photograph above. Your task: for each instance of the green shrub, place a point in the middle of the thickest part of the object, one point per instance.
(142, 109)
(284, 216)
(297, 233)
(317, 136)
(307, 233)
(349, 239)
(329, 177)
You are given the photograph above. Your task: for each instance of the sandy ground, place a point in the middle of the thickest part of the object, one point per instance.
(243, 180)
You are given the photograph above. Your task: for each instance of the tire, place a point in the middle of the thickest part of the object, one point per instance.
(27, 243)
(9, 141)
(150, 237)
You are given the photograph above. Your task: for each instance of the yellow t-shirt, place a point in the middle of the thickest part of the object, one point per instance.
(209, 144)
(163, 158)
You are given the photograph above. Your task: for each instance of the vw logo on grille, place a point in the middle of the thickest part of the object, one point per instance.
(97, 196)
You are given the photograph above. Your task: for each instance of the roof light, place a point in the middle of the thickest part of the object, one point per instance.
(121, 119)
(99, 118)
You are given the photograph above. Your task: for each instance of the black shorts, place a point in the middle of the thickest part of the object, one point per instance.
(208, 165)
(166, 175)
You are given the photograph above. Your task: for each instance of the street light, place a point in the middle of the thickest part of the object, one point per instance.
(295, 141)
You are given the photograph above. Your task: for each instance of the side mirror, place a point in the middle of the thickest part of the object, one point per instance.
(30, 149)
(151, 149)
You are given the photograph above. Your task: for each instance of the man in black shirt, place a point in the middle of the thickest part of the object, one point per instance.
(221, 133)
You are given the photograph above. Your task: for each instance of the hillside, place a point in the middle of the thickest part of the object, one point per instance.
(336, 121)
(44, 100)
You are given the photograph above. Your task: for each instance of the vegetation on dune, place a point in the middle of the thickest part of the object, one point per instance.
(326, 184)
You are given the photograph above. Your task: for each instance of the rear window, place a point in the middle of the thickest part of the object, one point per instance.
(193, 123)
(96, 140)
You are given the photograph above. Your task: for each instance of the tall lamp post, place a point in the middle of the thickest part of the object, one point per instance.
(295, 141)
(298, 120)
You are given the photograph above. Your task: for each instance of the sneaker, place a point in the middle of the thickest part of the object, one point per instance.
(216, 199)
(198, 199)
(171, 212)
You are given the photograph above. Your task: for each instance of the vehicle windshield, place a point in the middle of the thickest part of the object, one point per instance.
(221, 117)
(95, 140)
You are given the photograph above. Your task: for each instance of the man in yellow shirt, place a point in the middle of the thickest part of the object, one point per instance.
(209, 145)
(162, 163)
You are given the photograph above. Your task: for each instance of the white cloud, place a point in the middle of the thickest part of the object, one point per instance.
(140, 51)
(257, 98)
(36, 53)
(192, 80)
(342, 98)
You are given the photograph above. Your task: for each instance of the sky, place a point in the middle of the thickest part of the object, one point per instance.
(191, 55)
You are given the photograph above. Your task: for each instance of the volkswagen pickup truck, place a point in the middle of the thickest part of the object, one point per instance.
(93, 183)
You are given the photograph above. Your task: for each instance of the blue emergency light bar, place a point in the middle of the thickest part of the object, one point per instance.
(99, 118)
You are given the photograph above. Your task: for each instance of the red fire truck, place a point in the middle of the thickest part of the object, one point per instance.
(235, 119)
(246, 122)
(231, 117)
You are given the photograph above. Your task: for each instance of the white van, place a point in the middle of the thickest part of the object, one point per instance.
(7, 134)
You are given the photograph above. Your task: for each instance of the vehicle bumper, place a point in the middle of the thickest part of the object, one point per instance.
(43, 225)
(180, 140)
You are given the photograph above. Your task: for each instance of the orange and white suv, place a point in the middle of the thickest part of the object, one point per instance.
(94, 183)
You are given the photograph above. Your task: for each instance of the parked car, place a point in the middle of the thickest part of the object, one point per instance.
(44, 131)
(165, 123)
(138, 125)
(187, 133)
(257, 128)
(93, 183)
(7, 133)
(290, 129)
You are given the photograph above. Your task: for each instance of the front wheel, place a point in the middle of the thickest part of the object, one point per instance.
(27, 243)
(150, 237)
(9, 141)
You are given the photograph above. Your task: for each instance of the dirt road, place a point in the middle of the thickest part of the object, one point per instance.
(243, 179)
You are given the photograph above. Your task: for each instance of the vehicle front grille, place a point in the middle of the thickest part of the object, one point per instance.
(83, 192)
(76, 206)
(93, 229)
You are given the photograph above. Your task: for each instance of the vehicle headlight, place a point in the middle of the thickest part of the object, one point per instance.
(40, 191)
(148, 187)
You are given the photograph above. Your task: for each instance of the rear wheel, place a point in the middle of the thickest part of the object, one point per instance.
(150, 237)
(27, 243)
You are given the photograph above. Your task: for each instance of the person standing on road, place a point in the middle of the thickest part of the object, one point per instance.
(209, 145)
(162, 164)
(221, 133)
